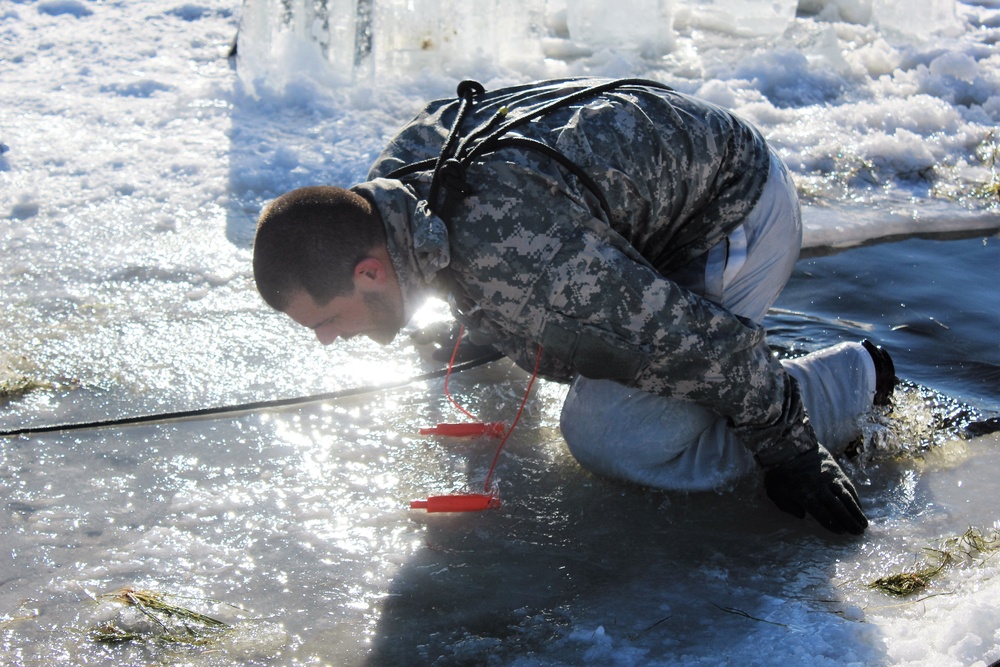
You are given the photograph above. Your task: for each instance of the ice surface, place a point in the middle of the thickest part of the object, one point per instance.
(136, 161)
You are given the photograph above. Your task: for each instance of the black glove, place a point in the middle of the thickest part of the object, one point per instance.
(813, 482)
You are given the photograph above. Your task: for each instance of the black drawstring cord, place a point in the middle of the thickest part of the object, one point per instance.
(451, 164)
(486, 144)
(445, 167)
(412, 168)
(453, 168)
(569, 165)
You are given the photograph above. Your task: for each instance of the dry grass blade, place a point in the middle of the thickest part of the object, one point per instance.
(19, 385)
(151, 603)
(740, 612)
(110, 633)
(174, 622)
(905, 583)
(973, 543)
(968, 548)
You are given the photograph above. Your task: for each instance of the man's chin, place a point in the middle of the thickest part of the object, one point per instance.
(383, 336)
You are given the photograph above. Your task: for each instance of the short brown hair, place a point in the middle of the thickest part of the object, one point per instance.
(312, 238)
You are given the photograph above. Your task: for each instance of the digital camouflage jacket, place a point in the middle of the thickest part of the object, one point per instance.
(571, 244)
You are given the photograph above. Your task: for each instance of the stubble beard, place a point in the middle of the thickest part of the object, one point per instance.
(386, 318)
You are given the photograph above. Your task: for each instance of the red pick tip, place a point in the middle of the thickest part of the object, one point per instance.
(457, 502)
(496, 429)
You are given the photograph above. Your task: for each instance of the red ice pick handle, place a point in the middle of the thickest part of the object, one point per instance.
(472, 502)
(494, 429)
(457, 502)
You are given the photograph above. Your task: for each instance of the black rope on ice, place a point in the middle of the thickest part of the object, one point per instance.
(251, 406)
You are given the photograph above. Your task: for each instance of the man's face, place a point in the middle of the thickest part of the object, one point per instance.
(363, 312)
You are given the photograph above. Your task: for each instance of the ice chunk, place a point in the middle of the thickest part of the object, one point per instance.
(643, 25)
(742, 17)
(851, 11)
(888, 15)
(934, 16)
(354, 39)
(455, 35)
(960, 66)
(296, 35)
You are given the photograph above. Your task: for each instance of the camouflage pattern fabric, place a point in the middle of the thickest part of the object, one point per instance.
(529, 257)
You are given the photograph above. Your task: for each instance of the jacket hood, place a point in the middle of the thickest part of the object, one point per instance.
(417, 240)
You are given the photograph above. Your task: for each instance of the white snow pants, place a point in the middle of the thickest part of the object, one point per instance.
(628, 434)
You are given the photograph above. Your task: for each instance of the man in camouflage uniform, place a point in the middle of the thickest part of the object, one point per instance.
(637, 235)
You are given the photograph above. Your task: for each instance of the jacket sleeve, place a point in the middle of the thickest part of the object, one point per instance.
(619, 320)
(622, 321)
(556, 275)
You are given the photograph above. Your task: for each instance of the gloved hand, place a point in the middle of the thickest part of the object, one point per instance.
(800, 475)
(813, 482)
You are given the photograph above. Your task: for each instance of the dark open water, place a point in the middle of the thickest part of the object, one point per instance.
(933, 303)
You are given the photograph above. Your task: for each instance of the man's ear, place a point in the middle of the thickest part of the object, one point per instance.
(370, 269)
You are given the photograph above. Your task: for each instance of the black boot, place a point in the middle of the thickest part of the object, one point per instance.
(885, 373)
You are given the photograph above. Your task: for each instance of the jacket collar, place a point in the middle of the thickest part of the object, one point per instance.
(417, 240)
